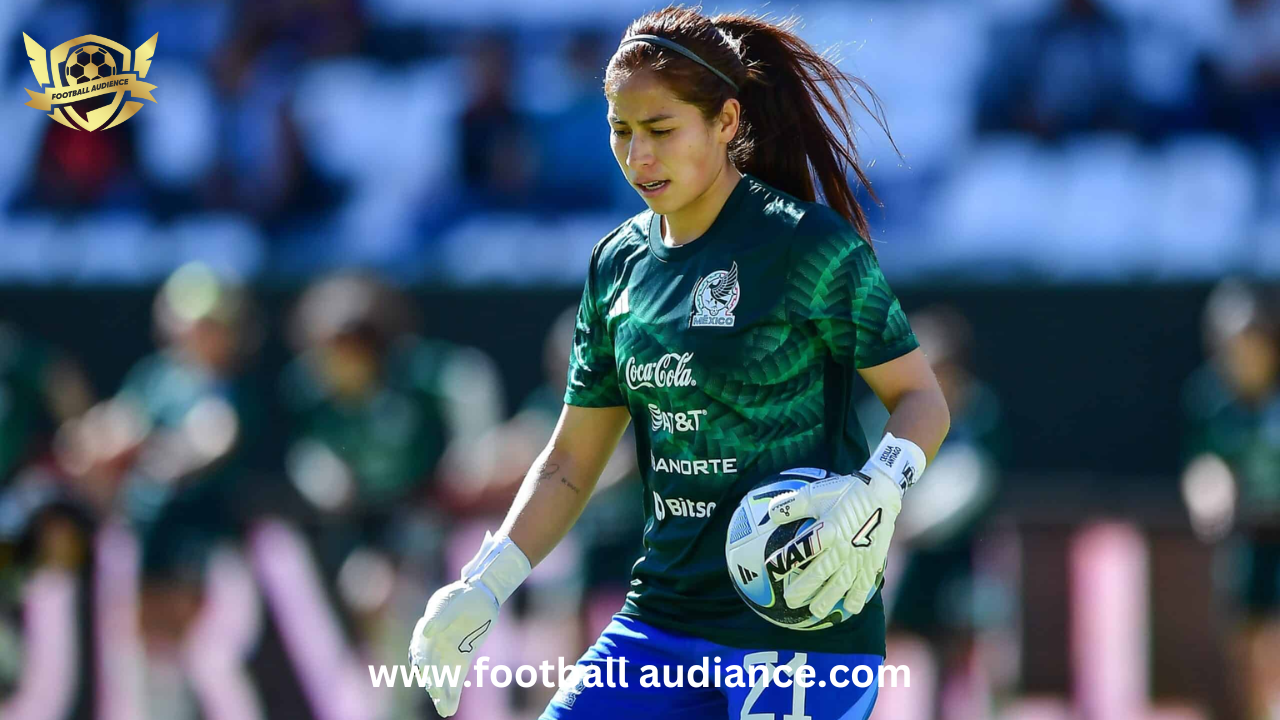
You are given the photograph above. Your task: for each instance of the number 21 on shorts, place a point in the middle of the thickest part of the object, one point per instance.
(759, 679)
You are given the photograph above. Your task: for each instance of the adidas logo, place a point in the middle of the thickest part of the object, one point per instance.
(621, 305)
(747, 575)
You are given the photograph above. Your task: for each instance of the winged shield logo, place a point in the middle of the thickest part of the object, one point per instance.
(87, 67)
(714, 298)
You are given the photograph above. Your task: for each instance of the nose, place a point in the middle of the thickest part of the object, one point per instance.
(639, 153)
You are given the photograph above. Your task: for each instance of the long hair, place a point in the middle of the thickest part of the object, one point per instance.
(786, 88)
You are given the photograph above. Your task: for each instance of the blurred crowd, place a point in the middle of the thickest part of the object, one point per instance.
(465, 143)
(167, 493)
(160, 526)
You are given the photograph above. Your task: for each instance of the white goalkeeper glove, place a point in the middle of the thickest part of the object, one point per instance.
(855, 520)
(460, 616)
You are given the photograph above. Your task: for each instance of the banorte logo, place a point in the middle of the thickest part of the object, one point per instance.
(87, 67)
(671, 370)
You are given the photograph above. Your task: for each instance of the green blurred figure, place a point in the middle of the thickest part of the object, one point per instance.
(42, 527)
(172, 451)
(1232, 479)
(374, 409)
(39, 389)
(936, 601)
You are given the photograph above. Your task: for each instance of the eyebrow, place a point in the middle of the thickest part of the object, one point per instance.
(646, 121)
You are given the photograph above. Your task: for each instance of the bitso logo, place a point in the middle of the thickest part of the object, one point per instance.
(680, 507)
(714, 299)
(87, 67)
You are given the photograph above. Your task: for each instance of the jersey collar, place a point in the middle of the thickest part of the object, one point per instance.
(718, 227)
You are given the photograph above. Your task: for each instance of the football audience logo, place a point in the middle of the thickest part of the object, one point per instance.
(87, 67)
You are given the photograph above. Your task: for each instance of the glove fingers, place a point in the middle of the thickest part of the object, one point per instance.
(804, 585)
(867, 576)
(445, 697)
(811, 500)
(458, 618)
(859, 593)
(832, 537)
(447, 702)
(832, 592)
(417, 645)
(824, 493)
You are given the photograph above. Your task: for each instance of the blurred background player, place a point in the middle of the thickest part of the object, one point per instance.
(373, 407)
(46, 661)
(173, 452)
(932, 588)
(1232, 481)
(40, 388)
(45, 530)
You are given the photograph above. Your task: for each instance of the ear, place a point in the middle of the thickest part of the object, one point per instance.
(726, 123)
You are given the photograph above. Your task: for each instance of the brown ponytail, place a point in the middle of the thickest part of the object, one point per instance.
(786, 88)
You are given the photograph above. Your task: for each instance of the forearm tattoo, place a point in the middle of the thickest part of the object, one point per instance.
(551, 470)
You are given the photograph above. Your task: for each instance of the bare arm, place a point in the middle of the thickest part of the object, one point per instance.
(557, 487)
(917, 409)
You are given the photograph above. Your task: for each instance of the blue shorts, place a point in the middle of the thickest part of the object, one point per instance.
(672, 656)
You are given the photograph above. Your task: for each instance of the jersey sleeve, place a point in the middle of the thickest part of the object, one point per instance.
(593, 372)
(837, 285)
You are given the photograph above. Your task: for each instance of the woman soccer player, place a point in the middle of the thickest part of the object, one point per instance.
(727, 321)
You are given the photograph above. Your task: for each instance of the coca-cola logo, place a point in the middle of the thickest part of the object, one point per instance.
(672, 370)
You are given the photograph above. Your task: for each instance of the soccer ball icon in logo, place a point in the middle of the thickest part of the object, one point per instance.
(85, 67)
(763, 556)
(89, 63)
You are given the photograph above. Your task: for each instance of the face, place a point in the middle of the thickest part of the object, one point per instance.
(211, 344)
(349, 366)
(1251, 362)
(657, 138)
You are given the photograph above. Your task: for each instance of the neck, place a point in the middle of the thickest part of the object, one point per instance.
(691, 221)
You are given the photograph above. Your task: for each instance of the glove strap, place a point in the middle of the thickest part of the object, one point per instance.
(499, 566)
(898, 459)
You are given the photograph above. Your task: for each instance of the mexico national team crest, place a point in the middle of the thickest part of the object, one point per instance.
(87, 67)
(714, 299)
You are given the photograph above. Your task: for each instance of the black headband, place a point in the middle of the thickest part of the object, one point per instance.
(671, 45)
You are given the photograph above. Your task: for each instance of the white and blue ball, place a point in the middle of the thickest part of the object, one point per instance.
(763, 556)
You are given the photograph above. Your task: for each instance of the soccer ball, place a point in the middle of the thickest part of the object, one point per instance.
(763, 557)
(90, 63)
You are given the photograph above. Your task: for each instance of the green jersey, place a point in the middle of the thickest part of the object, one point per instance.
(392, 440)
(735, 355)
(1246, 436)
(180, 522)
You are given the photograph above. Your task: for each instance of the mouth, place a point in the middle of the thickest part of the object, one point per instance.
(651, 189)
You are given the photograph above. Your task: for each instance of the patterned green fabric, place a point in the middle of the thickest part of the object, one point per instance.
(735, 355)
